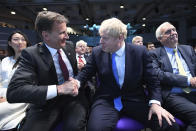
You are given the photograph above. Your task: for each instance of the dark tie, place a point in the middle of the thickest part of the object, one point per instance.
(181, 70)
(80, 59)
(63, 67)
(117, 101)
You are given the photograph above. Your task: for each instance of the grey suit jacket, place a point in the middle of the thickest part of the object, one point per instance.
(164, 71)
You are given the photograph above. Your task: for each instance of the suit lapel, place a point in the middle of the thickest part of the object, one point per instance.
(107, 60)
(71, 57)
(128, 65)
(186, 58)
(47, 58)
(165, 60)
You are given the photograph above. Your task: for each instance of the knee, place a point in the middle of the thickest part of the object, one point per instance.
(79, 125)
(99, 127)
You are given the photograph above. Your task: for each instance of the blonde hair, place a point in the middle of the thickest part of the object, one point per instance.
(136, 38)
(114, 27)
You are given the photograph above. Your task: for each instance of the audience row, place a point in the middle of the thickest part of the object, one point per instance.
(92, 88)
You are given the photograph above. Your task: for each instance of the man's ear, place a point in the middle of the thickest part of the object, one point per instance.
(45, 35)
(159, 38)
(121, 37)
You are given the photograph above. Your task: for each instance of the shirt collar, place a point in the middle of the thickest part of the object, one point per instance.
(170, 50)
(121, 51)
(79, 55)
(52, 50)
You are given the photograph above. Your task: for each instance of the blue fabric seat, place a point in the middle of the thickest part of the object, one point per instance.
(128, 124)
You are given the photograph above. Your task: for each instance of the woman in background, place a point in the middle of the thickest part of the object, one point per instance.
(11, 114)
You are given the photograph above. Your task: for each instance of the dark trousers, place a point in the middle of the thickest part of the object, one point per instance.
(104, 117)
(15, 129)
(183, 106)
(72, 112)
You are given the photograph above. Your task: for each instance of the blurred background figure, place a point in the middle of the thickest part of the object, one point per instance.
(150, 46)
(11, 114)
(80, 53)
(194, 47)
(137, 40)
(88, 50)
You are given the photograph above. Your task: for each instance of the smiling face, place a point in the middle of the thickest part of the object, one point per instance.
(169, 36)
(18, 42)
(56, 38)
(81, 49)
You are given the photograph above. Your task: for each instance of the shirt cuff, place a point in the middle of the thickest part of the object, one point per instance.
(52, 92)
(189, 80)
(154, 102)
(3, 92)
(78, 82)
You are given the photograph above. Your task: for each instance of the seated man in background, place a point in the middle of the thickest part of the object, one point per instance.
(150, 46)
(137, 40)
(89, 50)
(175, 66)
(80, 53)
(121, 69)
(44, 79)
(81, 57)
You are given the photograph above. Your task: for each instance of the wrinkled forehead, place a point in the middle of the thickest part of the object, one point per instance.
(166, 27)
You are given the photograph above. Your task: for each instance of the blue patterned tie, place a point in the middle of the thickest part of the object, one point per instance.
(117, 101)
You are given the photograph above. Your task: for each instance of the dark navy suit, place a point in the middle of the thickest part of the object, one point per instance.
(29, 84)
(138, 70)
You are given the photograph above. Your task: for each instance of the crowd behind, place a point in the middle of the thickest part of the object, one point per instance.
(90, 88)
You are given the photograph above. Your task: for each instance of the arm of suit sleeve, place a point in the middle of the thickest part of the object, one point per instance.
(23, 87)
(167, 78)
(88, 71)
(153, 84)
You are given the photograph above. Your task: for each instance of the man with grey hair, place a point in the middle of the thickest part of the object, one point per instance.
(80, 52)
(137, 40)
(175, 66)
(121, 69)
(44, 79)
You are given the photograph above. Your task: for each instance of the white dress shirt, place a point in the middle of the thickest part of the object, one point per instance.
(82, 57)
(10, 114)
(120, 64)
(52, 89)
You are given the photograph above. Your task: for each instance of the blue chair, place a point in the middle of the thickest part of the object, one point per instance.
(59, 127)
(128, 124)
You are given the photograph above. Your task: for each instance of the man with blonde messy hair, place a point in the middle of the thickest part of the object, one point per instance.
(137, 40)
(121, 69)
